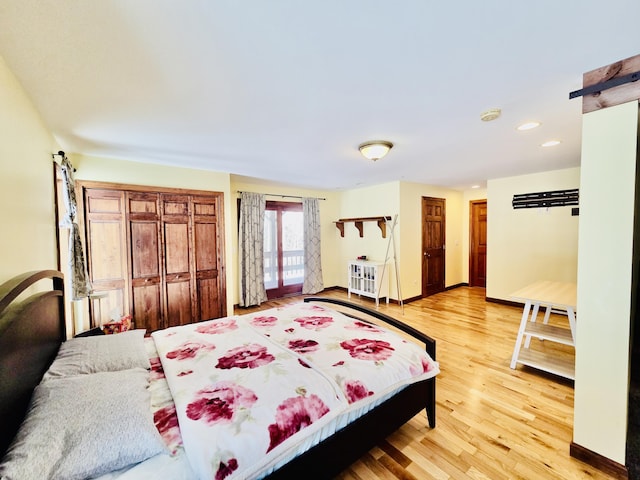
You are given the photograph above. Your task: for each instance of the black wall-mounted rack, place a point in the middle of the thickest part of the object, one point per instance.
(556, 198)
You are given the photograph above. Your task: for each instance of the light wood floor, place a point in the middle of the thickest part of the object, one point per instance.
(492, 422)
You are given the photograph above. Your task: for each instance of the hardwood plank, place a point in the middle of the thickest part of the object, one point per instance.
(492, 422)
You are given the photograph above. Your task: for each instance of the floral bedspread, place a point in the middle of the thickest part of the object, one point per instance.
(248, 389)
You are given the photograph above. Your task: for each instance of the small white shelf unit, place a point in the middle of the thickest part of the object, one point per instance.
(369, 278)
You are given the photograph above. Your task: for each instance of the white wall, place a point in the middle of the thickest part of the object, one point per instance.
(530, 244)
(373, 201)
(607, 189)
(28, 236)
(411, 235)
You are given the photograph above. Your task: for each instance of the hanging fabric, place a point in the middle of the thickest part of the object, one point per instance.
(312, 256)
(80, 287)
(251, 249)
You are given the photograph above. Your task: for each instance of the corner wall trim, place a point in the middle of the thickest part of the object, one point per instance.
(598, 461)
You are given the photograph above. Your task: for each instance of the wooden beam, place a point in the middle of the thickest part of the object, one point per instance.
(612, 96)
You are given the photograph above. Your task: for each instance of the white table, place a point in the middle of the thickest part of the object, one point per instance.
(556, 297)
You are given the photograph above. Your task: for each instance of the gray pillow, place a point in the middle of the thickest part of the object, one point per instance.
(84, 426)
(104, 353)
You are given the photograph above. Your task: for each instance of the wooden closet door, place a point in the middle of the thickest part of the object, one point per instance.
(206, 240)
(107, 251)
(145, 257)
(176, 235)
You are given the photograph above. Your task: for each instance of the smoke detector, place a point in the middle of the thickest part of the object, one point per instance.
(490, 114)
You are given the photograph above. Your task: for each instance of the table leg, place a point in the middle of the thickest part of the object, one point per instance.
(523, 325)
(572, 323)
(534, 316)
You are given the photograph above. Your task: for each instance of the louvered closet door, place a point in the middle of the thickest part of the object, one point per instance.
(206, 248)
(145, 259)
(176, 233)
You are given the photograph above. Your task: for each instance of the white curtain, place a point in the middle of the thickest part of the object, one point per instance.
(80, 286)
(312, 259)
(251, 249)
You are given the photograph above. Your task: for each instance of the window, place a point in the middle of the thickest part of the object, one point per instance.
(283, 249)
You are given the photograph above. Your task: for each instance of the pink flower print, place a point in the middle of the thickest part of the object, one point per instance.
(166, 421)
(290, 330)
(303, 346)
(303, 363)
(293, 415)
(189, 350)
(368, 327)
(356, 390)
(316, 308)
(426, 366)
(314, 322)
(338, 364)
(364, 349)
(218, 403)
(184, 373)
(224, 470)
(246, 356)
(157, 372)
(264, 321)
(213, 327)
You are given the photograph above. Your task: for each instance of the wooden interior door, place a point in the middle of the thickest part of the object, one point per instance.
(107, 252)
(143, 211)
(433, 244)
(176, 234)
(478, 243)
(206, 239)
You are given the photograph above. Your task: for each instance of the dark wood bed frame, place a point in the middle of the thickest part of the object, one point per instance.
(32, 329)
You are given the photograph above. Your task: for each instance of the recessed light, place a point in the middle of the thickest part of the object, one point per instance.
(551, 143)
(475, 186)
(528, 126)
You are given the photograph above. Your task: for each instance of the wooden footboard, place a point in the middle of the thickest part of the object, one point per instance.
(31, 332)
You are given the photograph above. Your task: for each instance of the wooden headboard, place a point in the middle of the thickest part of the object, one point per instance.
(31, 331)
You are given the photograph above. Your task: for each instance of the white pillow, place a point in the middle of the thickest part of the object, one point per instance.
(84, 426)
(103, 353)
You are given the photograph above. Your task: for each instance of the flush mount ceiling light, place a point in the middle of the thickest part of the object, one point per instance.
(375, 149)
(550, 143)
(490, 114)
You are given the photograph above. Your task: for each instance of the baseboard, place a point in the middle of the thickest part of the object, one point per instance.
(504, 302)
(335, 287)
(451, 287)
(598, 461)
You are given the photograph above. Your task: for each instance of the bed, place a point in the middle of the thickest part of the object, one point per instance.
(320, 427)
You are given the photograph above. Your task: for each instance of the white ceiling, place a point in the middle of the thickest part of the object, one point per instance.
(286, 90)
